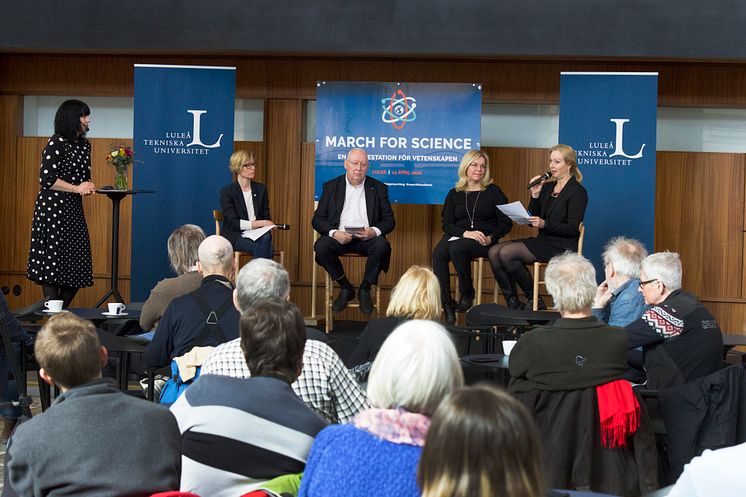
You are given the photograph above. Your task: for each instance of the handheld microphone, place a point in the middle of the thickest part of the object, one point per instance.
(538, 180)
(282, 226)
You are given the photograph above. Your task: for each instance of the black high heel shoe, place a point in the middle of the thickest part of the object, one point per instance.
(465, 303)
(540, 305)
(449, 313)
(514, 303)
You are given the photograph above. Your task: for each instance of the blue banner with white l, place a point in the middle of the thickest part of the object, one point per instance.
(414, 133)
(183, 134)
(610, 120)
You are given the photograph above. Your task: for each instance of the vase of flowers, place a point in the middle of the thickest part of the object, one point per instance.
(121, 157)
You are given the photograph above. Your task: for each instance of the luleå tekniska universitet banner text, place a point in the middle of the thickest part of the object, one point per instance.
(415, 134)
(183, 136)
(610, 120)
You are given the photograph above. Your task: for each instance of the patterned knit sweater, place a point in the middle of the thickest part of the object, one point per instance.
(377, 455)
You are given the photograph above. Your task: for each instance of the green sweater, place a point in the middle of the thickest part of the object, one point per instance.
(569, 355)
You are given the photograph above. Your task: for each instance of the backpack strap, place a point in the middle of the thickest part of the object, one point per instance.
(212, 318)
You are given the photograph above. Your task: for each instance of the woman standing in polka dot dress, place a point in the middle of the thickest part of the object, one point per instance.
(60, 255)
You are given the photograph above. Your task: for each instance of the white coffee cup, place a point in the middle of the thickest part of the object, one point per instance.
(508, 346)
(53, 305)
(116, 308)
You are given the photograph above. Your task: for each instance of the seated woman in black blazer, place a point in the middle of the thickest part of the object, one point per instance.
(557, 207)
(245, 206)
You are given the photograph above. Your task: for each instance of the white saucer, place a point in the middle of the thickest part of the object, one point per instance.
(53, 312)
(114, 315)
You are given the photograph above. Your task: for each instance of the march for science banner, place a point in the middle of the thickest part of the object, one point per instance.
(184, 137)
(610, 120)
(415, 134)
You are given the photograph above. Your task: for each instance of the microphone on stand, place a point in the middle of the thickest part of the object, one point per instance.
(282, 226)
(538, 180)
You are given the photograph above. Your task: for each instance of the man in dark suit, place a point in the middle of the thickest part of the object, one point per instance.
(354, 215)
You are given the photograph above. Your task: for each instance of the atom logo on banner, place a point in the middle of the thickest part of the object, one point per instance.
(398, 110)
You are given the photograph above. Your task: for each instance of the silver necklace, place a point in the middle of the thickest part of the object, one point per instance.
(474, 209)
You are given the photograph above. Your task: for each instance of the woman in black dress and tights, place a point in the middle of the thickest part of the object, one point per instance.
(471, 224)
(557, 207)
(60, 254)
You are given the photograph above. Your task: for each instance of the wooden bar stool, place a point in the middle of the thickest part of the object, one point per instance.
(329, 297)
(478, 276)
(537, 266)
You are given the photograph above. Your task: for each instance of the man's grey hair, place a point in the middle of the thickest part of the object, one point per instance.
(415, 369)
(183, 245)
(571, 281)
(664, 267)
(215, 255)
(625, 255)
(261, 279)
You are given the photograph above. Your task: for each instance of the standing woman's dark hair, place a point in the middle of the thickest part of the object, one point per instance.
(67, 119)
(482, 443)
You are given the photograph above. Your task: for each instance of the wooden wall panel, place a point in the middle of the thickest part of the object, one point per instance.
(699, 214)
(306, 237)
(517, 81)
(743, 273)
(282, 132)
(27, 189)
(11, 111)
(730, 314)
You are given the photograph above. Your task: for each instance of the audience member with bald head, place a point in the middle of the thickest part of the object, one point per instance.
(354, 215)
(204, 317)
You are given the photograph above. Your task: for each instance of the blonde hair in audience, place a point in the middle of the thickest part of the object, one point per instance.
(570, 157)
(415, 369)
(182, 247)
(68, 349)
(571, 281)
(481, 443)
(416, 295)
(466, 160)
(239, 158)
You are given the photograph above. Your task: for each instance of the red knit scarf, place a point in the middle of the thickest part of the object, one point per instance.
(619, 412)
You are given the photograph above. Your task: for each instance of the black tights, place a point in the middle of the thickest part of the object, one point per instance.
(509, 256)
(508, 261)
(64, 293)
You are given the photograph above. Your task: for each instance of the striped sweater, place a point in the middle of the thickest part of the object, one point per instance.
(238, 433)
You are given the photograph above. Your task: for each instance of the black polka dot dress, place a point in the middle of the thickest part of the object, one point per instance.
(60, 252)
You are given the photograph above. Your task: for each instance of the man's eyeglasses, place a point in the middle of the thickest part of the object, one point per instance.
(361, 165)
(643, 283)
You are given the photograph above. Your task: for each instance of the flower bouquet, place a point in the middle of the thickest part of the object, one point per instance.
(121, 157)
